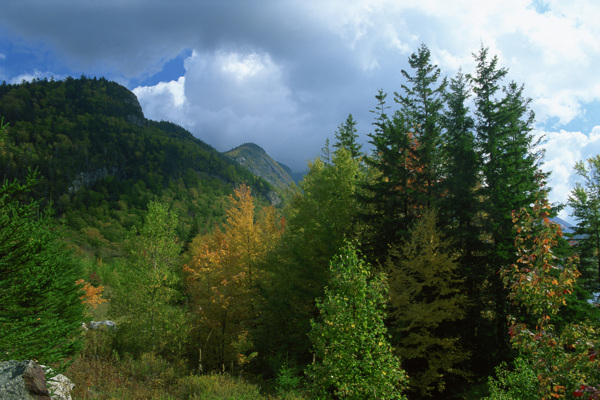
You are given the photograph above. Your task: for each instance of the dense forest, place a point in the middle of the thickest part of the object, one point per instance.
(427, 266)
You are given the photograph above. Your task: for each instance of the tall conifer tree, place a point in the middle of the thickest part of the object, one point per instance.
(345, 137)
(422, 102)
(510, 179)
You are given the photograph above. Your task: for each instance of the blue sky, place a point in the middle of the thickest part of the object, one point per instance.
(285, 74)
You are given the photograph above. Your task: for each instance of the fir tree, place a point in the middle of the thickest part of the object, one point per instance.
(346, 137)
(510, 178)
(422, 102)
(40, 306)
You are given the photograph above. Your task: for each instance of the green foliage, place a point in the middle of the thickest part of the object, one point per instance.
(103, 162)
(563, 361)
(320, 219)
(521, 383)
(422, 102)
(428, 302)
(354, 359)
(346, 137)
(40, 307)
(585, 202)
(145, 305)
(288, 381)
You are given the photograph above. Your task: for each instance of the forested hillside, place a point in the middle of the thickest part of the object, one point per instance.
(101, 161)
(424, 267)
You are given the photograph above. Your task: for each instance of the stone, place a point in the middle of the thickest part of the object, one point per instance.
(60, 386)
(95, 325)
(22, 380)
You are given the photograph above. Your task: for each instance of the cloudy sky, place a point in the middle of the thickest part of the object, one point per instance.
(284, 74)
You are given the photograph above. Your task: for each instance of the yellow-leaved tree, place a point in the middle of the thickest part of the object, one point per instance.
(222, 280)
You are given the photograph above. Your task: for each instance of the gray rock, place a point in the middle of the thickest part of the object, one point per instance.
(60, 386)
(95, 325)
(22, 380)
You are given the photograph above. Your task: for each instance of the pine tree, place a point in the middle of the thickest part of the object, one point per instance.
(427, 302)
(346, 137)
(353, 358)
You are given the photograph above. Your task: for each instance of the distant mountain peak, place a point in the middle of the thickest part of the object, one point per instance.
(250, 146)
(255, 159)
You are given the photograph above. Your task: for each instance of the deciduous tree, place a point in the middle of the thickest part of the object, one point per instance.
(223, 279)
(145, 304)
(353, 358)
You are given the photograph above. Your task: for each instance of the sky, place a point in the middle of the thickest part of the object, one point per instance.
(285, 74)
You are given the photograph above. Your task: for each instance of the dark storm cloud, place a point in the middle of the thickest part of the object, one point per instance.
(131, 40)
(284, 74)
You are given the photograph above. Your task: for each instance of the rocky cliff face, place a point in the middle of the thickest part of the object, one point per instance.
(257, 161)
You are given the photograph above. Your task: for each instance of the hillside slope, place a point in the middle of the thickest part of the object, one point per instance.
(101, 161)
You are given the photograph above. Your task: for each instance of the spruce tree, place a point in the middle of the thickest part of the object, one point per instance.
(422, 102)
(459, 205)
(510, 178)
(390, 201)
(345, 137)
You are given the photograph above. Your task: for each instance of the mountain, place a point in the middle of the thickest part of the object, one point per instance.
(259, 163)
(101, 161)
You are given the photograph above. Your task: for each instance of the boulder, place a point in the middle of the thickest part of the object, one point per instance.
(60, 386)
(22, 380)
(94, 325)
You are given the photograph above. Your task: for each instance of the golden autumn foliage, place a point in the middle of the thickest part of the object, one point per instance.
(222, 277)
(92, 296)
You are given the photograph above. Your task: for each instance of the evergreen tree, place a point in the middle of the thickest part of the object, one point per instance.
(585, 202)
(510, 179)
(389, 200)
(427, 304)
(422, 102)
(510, 163)
(353, 358)
(346, 137)
(460, 205)
(40, 307)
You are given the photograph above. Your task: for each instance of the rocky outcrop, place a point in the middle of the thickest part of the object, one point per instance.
(86, 179)
(256, 160)
(22, 380)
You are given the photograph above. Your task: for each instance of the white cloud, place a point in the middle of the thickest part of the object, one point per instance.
(2, 56)
(563, 150)
(164, 101)
(227, 98)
